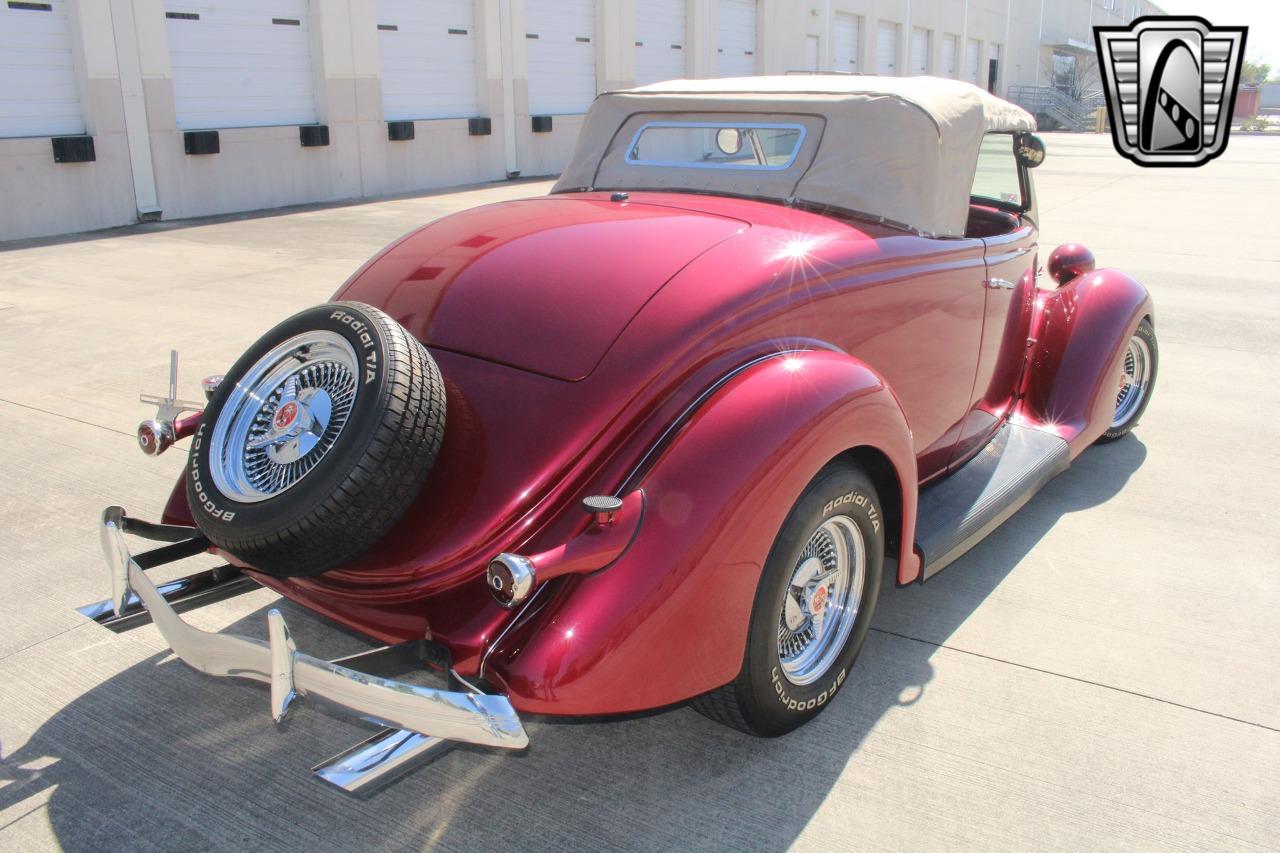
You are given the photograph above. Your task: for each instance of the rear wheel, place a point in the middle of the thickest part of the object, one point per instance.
(1137, 379)
(812, 610)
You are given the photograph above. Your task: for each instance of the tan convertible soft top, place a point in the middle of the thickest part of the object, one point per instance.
(900, 149)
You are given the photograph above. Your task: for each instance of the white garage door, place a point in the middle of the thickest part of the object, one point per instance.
(428, 54)
(971, 51)
(38, 92)
(240, 63)
(660, 41)
(949, 47)
(848, 40)
(919, 51)
(886, 48)
(736, 44)
(560, 38)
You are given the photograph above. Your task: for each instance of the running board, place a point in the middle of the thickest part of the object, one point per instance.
(960, 510)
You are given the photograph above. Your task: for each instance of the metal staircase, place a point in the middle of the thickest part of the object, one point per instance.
(1066, 111)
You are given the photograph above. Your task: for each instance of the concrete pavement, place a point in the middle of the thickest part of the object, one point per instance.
(1100, 672)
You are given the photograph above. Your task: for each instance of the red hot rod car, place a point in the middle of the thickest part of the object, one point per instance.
(655, 437)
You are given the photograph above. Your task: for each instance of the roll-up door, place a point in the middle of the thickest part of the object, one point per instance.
(736, 42)
(919, 51)
(428, 56)
(240, 63)
(949, 48)
(560, 44)
(39, 96)
(886, 48)
(660, 41)
(971, 51)
(847, 42)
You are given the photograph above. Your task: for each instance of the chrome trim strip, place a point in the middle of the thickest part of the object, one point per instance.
(516, 620)
(470, 717)
(679, 421)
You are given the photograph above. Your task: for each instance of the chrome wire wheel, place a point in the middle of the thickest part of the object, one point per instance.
(822, 600)
(1135, 379)
(283, 416)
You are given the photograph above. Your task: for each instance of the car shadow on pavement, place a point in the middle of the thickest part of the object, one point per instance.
(160, 756)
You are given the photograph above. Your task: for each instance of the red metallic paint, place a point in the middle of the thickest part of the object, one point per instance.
(1006, 323)
(1069, 261)
(595, 548)
(714, 502)
(715, 353)
(1081, 331)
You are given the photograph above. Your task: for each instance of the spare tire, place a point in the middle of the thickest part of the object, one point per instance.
(317, 441)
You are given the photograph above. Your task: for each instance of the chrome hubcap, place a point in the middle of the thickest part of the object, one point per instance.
(283, 417)
(822, 600)
(1134, 380)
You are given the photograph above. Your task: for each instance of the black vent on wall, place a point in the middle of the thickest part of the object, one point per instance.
(542, 124)
(313, 135)
(201, 142)
(399, 131)
(73, 149)
(479, 126)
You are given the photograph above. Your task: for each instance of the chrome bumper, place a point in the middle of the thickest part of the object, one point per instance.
(419, 719)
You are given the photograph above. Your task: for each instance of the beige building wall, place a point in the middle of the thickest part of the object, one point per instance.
(142, 171)
(38, 196)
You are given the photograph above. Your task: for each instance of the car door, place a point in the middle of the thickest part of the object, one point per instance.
(917, 320)
(1003, 212)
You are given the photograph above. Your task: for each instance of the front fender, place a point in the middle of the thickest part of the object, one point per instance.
(1080, 332)
(669, 620)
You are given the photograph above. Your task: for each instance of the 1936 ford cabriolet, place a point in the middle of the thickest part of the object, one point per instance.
(655, 437)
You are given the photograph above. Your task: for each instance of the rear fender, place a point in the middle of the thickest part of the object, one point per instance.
(1080, 332)
(669, 619)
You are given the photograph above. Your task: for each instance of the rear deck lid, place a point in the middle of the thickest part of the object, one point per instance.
(544, 284)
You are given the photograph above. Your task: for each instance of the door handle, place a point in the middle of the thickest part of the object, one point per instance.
(999, 284)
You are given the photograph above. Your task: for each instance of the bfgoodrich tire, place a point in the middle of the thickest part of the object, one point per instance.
(317, 440)
(1141, 361)
(813, 607)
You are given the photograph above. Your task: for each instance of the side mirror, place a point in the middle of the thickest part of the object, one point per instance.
(729, 140)
(1029, 149)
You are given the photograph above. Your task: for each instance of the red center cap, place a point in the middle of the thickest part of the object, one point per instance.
(286, 414)
(818, 601)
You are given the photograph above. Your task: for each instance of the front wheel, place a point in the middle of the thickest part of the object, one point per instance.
(1137, 380)
(812, 610)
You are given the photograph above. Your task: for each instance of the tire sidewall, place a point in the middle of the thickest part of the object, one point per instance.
(1148, 334)
(778, 706)
(217, 513)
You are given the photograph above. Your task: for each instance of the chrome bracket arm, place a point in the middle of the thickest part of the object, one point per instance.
(283, 651)
(169, 406)
(419, 721)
